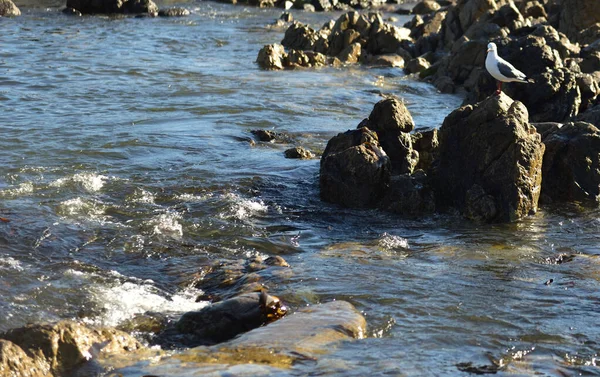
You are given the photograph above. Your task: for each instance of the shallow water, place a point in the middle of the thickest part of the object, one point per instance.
(126, 162)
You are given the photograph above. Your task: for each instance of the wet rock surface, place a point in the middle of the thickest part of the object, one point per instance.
(8, 9)
(571, 170)
(56, 349)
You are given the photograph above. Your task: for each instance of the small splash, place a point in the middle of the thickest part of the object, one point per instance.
(91, 182)
(122, 301)
(194, 198)
(243, 209)
(142, 196)
(167, 224)
(390, 242)
(10, 263)
(78, 207)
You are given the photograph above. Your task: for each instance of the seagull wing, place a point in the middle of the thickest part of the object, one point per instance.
(510, 72)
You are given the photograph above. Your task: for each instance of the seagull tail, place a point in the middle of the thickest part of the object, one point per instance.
(529, 80)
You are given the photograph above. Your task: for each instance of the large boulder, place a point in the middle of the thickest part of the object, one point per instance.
(571, 169)
(489, 163)
(272, 57)
(15, 362)
(576, 15)
(113, 6)
(355, 170)
(56, 349)
(8, 9)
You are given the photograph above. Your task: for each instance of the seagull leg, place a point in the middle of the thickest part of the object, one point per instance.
(499, 85)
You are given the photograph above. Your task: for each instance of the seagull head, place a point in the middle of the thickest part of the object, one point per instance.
(491, 47)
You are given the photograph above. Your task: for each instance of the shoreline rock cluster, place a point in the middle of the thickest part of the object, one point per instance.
(243, 326)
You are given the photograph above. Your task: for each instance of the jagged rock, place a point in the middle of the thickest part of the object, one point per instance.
(386, 38)
(113, 6)
(300, 37)
(590, 58)
(307, 59)
(493, 146)
(425, 7)
(58, 348)
(576, 15)
(392, 122)
(299, 152)
(571, 169)
(555, 96)
(589, 35)
(355, 171)
(174, 12)
(224, 320)
(409, 195)
(8, 9)
(533, 9)
(271, 57)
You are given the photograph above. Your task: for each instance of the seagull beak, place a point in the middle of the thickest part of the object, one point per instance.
(489, 49)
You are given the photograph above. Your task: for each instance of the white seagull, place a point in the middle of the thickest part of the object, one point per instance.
(502, 70)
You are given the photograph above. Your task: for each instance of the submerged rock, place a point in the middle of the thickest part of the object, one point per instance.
(299, 152)
(571, 169)
(56, 349)
(174, 12)
(224, 320)
(410, 195)
(8, 9)
(355, 170)
(489, 150)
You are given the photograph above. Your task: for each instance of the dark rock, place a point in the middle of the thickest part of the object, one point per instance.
(265, 135)
(271, 57)
(589, 35)
(425, 7)
(174, 12)
(224, 320)
(490, 145)
(571, 169)
(299, 152)
(386, 38)
(546, 128)
(113, 6)
(71, 12)
(533, 9)
(409, 195)
(576, 15)
(392, 122)
(554, 96)
(8, 9)
(59, 348)
(355, 171)
(444, 84)
(426, 144)
(300, 37)
(306, 59)
(592, 116)
(589, 89)
(286, 17)
(590, 61)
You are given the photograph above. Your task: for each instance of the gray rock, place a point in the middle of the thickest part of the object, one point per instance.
(425, 7)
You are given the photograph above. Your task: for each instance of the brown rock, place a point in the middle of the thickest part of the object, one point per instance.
(425, 7)
(8, 9)
(576, 15)
(271, 57)
(493, 146)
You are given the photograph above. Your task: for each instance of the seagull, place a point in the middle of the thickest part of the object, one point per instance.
(502, 70)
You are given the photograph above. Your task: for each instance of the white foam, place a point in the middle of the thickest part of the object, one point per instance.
(79, 207)
(11, 263)
(390, 242)
(193, 198)
(142, 196)
(124, 301)
(242, 209)
(91, 182)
